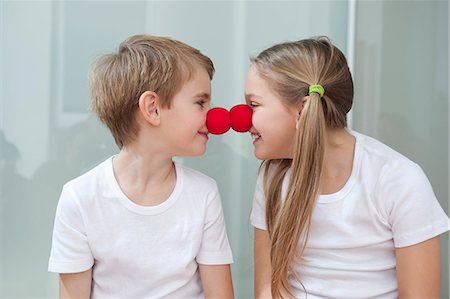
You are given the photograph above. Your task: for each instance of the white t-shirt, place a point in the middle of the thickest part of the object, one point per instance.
(386, 203)
(139, 251)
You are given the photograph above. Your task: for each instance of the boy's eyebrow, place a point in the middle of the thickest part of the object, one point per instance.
(203, 95)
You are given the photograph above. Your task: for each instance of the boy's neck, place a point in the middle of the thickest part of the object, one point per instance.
(144, 178)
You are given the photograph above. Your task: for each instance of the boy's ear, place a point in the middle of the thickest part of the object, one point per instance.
(149, 107)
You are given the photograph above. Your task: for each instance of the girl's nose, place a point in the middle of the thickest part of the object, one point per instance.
(241, 118)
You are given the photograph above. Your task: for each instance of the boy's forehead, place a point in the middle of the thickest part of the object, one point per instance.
(199, 82)
(197, 87)
(192, 70)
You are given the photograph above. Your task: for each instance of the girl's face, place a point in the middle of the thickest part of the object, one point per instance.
(273, 127)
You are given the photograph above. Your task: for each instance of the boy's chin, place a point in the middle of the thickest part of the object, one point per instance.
(199, 154)
(195, 152)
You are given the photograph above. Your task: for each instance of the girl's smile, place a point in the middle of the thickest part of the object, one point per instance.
(255, 137)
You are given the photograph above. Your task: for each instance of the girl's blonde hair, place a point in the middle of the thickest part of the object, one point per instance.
(290, 68)
(142, 63)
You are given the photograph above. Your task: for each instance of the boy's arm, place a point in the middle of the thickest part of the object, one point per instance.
(263, 268)
(216, 281)
(419, 269)
(75, 285)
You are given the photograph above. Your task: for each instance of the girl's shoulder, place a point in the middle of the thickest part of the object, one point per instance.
(376, 149)
(390, 170)
(381, 158)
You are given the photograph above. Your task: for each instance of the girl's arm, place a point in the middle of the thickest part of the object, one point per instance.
(75, 285)
(263, 268)
(216, 281)
(419, 270)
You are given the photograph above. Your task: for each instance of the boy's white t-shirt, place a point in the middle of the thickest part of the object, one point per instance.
(387, 203)
(139, 251)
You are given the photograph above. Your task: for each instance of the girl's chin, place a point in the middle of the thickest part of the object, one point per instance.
(261, 155)
(267, 156)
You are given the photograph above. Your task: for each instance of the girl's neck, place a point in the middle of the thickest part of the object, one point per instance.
(338, 138)
(338, 160)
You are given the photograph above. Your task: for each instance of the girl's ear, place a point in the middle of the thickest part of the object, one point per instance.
(149, 107)
(299, 107)
(301, 104)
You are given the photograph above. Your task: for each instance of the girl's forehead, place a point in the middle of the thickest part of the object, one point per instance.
(255, 79)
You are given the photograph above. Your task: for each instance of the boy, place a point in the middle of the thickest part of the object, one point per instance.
(139, 225)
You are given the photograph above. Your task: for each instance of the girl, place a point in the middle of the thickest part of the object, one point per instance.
(336, 214)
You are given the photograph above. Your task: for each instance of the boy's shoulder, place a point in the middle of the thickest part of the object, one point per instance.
(92, 179)
(196, 177)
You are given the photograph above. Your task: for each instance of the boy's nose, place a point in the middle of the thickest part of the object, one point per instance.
(219, 120)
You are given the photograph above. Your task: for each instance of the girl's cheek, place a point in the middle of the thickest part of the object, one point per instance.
(258, 118)
(255, 120)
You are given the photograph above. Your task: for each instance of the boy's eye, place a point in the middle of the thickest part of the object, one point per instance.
(201, 103)
(253, 104)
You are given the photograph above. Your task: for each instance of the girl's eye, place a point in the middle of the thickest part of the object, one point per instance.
(253, 104)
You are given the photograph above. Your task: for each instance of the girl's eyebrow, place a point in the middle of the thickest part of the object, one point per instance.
(251, 95)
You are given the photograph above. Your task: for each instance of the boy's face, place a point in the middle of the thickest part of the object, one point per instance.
(184, 124)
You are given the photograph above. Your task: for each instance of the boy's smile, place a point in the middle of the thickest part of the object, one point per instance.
(204, 134)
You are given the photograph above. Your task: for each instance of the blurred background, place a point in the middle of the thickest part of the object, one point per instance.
(397, 50)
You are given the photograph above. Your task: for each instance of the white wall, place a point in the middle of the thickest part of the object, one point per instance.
(47, 47)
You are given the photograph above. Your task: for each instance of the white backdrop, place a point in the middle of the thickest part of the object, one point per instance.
(48, 135)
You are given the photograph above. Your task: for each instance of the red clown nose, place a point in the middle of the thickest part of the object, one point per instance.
(219, 120)
(241, 118)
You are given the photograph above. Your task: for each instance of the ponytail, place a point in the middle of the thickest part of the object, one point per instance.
(294, 219)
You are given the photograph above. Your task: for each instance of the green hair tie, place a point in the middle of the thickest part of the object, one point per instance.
(317, 89)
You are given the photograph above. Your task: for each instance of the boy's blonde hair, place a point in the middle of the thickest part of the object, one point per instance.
(142, 63)
(290, 68)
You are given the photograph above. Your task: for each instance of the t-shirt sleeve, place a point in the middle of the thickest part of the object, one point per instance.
(215, 248)
(257, 216)
(411, 207)
(70, 252)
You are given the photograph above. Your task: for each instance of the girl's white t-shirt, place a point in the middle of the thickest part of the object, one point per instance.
(139, 251)
(387, 203)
